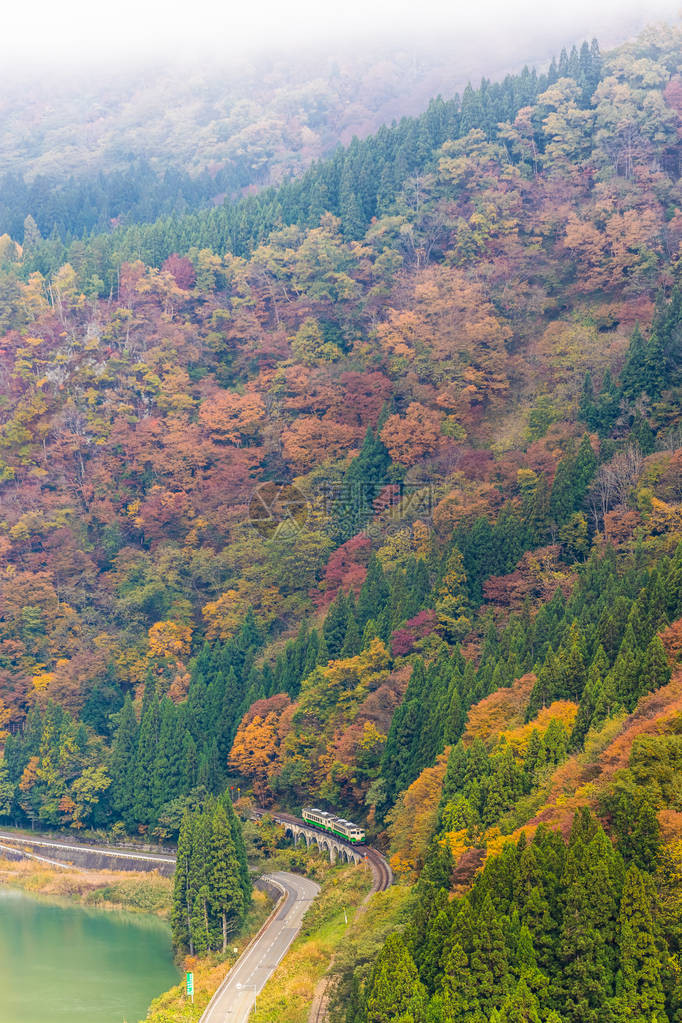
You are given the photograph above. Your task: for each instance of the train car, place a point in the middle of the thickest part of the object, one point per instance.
(349, 830)
(319, 818)
(335, 825)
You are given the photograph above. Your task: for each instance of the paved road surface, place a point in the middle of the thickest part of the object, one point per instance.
(235, 997)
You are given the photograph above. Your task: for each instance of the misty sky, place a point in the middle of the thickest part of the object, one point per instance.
(72, 33)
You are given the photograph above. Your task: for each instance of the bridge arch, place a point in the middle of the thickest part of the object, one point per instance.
(334, 847)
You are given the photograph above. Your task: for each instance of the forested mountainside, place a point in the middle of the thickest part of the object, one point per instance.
(365, 181)
(368, 491)
(89, 153)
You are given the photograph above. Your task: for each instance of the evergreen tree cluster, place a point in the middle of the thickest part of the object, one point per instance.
(212, 886)
(431, 716)
(154, 764)
(607, 654)
(177, 749)
(634, 407)
(550, 933)
(384, 602)
(480, 787)
(174, 751)
(490, 549)
(599, 648)
(362, 481)
(359, 182)
(70, 209)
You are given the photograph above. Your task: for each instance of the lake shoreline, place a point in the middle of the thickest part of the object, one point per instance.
(88, 964)
(138, 892)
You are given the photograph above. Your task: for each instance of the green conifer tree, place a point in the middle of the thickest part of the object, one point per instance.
(635, 822)
(488, 961)
(593, 879)
(633, 377)
(362, 481)
(352, 643)
(673, 586)
(239, 847)
(143, 810)
(583, 471)
(199, 896)
(373, 594)
(590, 698)
(520, 1006)
(190, 762)
(181, 915)
(588, 406)
(459, 1001)
(223, 875)
(123, 764)
(167, 773)
(639, 984)
(323, 655)
(437, 935)
(655, 669)
(335, 625)
(561, 501)
(394, 988)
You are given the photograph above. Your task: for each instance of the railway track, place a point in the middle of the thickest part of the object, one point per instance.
(383, 875)
(318, 1010)
(383, 879)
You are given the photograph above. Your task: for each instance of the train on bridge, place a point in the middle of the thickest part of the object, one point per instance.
(326, 821)
(341, 833)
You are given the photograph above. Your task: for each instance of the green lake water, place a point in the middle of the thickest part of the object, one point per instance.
(61, 963)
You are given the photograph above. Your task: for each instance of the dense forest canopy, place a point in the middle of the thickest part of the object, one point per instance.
(93, 151)
(367, 489)
(357, 184)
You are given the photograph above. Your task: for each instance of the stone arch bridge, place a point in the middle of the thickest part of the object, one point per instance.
(337, 848)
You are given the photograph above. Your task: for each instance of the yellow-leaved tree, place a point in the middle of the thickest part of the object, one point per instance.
(412, 821)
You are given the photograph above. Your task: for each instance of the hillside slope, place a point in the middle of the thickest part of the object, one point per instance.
(368, 491)
(85, 152)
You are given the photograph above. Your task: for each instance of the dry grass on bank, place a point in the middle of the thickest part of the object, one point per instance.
(173, 1006)
(106, 889)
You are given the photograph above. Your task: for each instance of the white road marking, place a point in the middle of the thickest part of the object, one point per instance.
(33, 856)
(119, 853)
(237, 994)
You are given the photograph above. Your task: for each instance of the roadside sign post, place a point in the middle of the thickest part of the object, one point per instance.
(190, 985)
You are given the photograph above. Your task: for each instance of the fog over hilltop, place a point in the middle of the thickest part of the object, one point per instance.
(75, 35)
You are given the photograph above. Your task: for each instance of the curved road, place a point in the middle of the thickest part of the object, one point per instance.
(383, 875)
(12, 853)
(237, 994)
